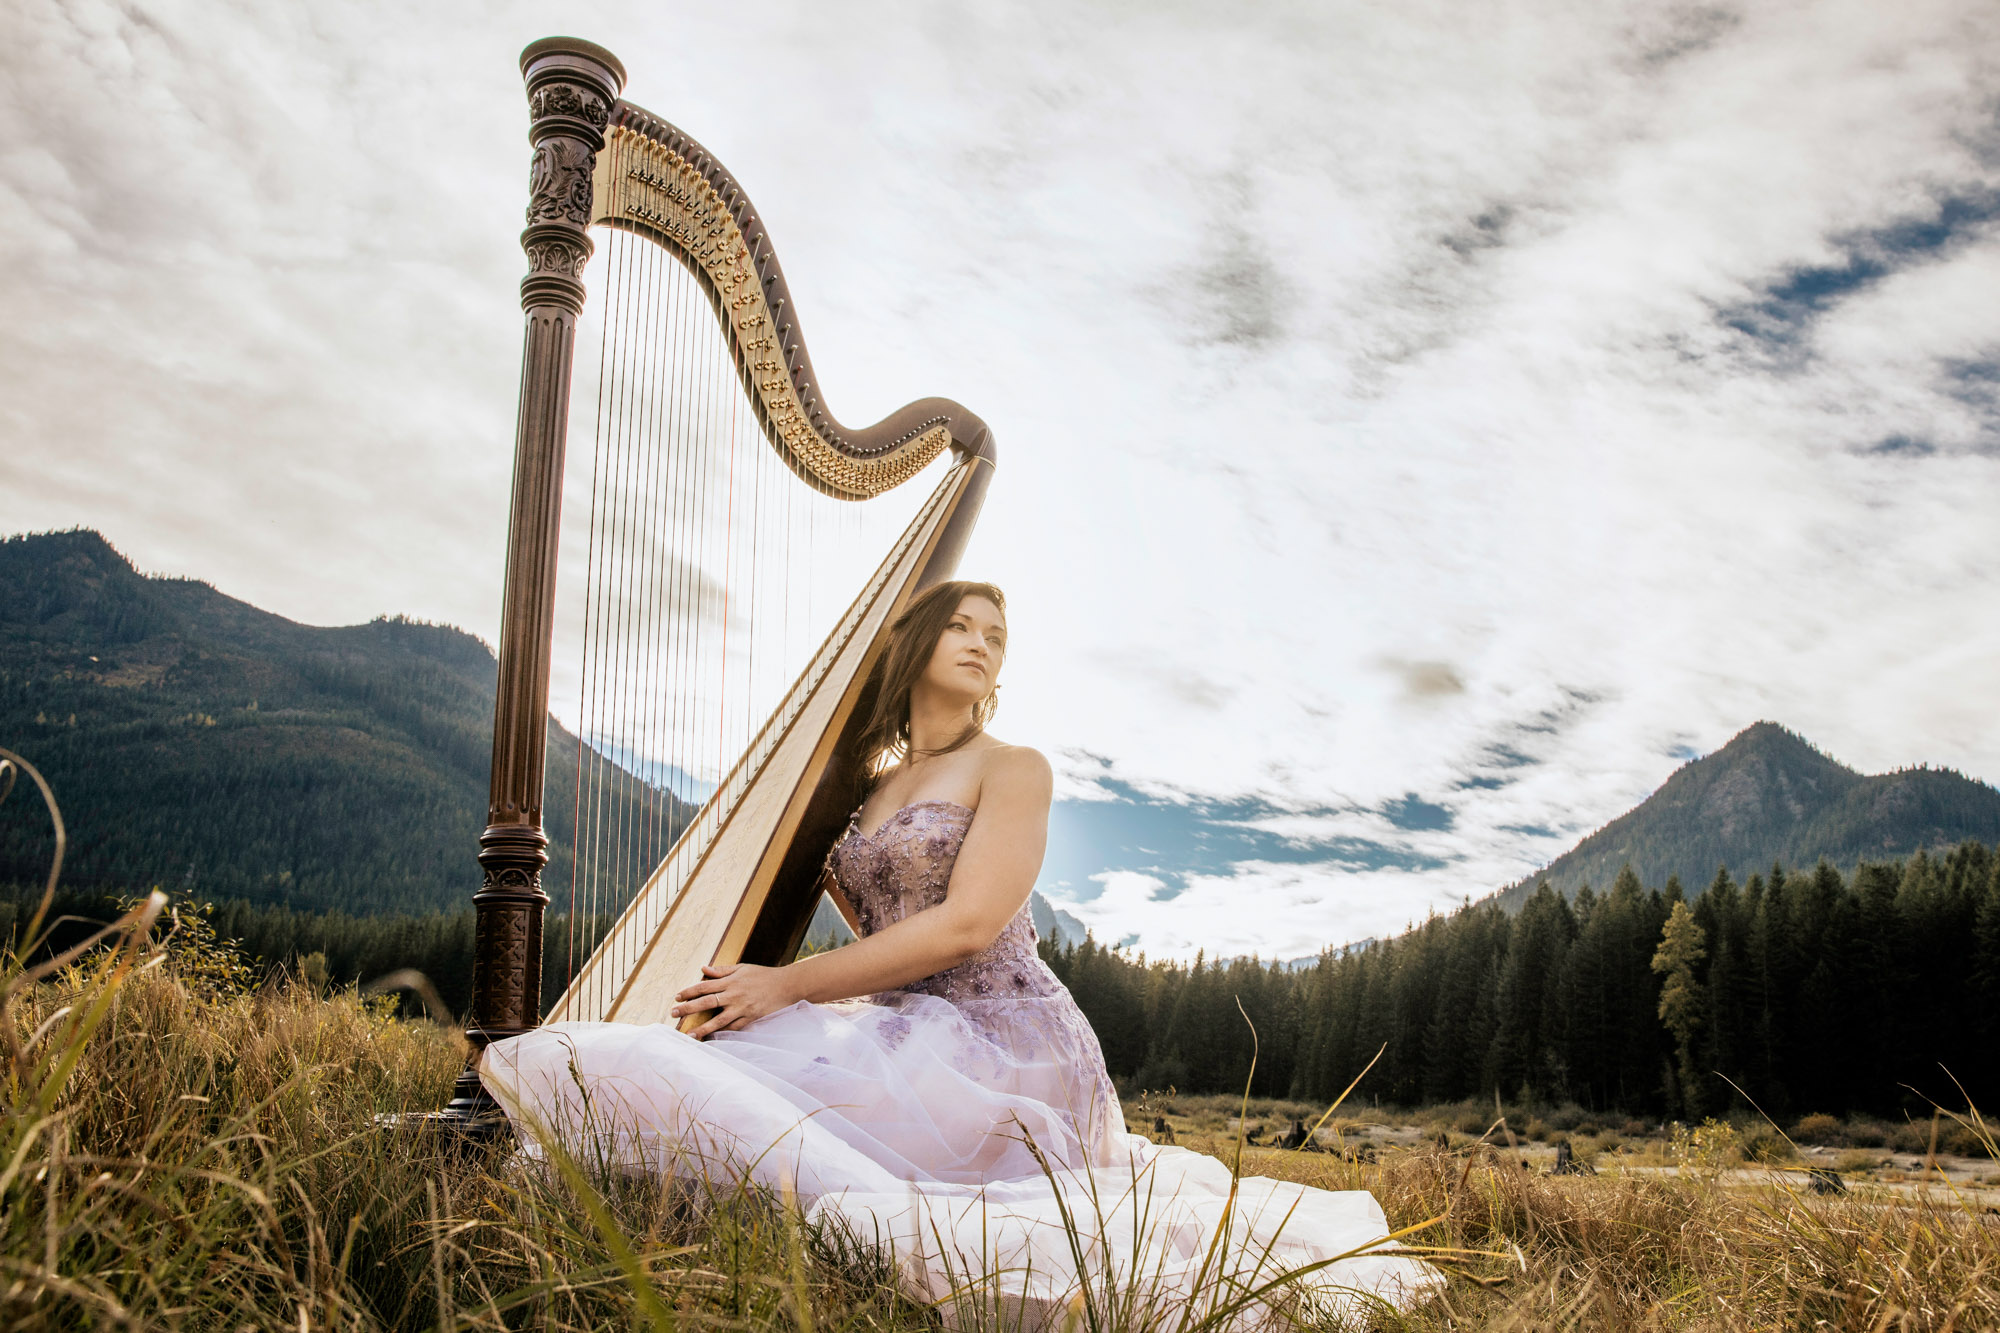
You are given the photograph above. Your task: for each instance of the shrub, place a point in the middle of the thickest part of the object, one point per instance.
(1534, 1129)
(1766, 1145)
(1565, 1117)
(1708, 1144)
(1867, 1133)
(1910, 1138)
(1821, 1128)
(206, 963)
(1962, 1141)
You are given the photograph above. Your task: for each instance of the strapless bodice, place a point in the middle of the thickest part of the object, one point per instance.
(904, 867)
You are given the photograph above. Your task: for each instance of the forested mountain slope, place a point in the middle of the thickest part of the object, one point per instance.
(1770, 796)
(206, 746)
(223, 752)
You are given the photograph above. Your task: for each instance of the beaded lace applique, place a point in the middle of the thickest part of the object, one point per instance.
(1005, 992)
(904, 867)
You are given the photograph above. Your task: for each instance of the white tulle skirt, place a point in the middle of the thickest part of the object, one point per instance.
(1001, 1199)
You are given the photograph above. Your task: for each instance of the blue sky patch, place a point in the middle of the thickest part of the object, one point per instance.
(1791, 303)
(1172, 840)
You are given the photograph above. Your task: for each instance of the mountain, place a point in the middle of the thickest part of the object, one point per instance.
(201, 744)
(1052, 923)
(198, 743)
(1770, 795)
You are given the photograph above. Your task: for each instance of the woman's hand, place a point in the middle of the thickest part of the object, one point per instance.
(741, 992)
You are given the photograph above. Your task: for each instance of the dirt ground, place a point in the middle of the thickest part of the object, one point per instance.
(1864, 1173)
(1970, 1179)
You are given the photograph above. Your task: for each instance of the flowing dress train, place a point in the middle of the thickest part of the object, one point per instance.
(965, 1122)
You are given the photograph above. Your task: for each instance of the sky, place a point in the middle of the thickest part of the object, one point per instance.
(1422, 427)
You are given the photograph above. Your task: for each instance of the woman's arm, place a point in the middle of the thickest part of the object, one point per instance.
(993, 876)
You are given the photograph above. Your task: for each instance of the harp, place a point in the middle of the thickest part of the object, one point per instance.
(697, 819)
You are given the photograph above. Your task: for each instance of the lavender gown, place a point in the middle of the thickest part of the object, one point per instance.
(916, 1119)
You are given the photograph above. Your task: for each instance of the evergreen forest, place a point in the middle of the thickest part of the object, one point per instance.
(1794, 992)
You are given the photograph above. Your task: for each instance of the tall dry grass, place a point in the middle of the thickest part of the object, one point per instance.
(214, 1160)
(1681, 1252)
(211, 1161)
(178, 1151)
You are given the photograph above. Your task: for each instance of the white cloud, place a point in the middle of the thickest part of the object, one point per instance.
(1274, 911)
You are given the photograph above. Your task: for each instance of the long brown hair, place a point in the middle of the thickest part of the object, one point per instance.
(885, 738)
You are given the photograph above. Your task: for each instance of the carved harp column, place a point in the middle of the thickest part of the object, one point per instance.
(572, 86)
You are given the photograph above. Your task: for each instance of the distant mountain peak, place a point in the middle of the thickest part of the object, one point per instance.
(75, 588)
(1770, 795)
(79, 538)
(199, 742)
(1778, 741)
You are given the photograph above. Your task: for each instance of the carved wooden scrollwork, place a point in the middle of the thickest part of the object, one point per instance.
(563, 99)
(506, 951)
(559, 181)
(558, 255)
(653, 179)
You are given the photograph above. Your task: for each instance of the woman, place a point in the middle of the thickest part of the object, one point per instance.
(961, 1112)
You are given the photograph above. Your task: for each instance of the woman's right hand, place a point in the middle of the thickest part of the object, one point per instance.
(740, 994)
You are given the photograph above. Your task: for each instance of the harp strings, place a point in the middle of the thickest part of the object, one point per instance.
(699, 577)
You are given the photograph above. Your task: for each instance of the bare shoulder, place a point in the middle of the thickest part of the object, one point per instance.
(1016, 772)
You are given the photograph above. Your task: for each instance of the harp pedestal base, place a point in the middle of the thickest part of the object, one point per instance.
(464, 1132)
(506, 966)
(472, 1109)
(471, 1119)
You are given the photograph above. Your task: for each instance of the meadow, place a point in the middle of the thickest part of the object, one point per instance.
(186, 1147)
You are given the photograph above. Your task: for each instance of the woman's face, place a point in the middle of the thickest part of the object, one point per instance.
(966, 661)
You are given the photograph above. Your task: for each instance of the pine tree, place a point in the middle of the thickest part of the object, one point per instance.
(1521, 1062)
(1729, 1013)
(1770, 985)
(1983, 993)
(1682, 1004)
